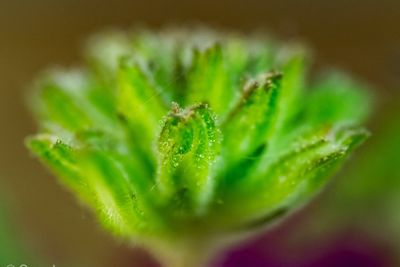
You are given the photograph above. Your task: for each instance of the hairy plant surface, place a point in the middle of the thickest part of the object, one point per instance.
(180, 139)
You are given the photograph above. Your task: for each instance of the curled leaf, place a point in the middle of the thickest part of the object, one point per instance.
(188, 146)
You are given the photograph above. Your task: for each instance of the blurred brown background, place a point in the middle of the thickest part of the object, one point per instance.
(362, 37)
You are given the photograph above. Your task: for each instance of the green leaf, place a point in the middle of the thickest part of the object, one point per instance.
(291, 178)
(211, 80)
(138, 95)
(73, 101)
(188, 146)
(140, 104)
(254, 116)
(62, 159)
(294, 64)
(335, 98)
(163, 58)
(103, 179)
(56, 107)
(103, 52)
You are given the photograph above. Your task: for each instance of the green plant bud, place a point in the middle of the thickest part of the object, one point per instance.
(188, 145)
(179, 140)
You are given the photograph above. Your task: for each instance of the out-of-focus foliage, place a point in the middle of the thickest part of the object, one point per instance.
(367, 195)
(181, 135)
(373, 180)
(12, 250)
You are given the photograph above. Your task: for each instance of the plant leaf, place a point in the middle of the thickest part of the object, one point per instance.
(337, 98)
(252, 121)
(188, 145)
(210, 80)
(291, 178)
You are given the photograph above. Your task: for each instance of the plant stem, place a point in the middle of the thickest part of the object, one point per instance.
(185, 255)
(186, 260)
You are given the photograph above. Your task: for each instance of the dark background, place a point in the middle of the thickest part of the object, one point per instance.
(362, 37)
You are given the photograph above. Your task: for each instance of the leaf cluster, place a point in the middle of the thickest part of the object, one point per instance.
(194, 134)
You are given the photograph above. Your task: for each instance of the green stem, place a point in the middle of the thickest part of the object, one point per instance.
(185, 255)
(186, 260)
